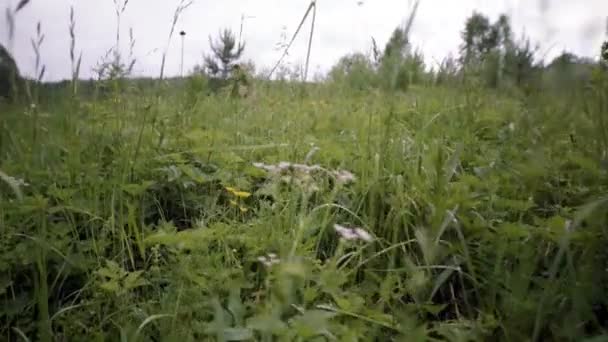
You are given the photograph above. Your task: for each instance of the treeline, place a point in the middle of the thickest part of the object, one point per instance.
(490, 56)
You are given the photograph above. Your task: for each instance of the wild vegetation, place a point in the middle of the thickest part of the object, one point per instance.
(388, 202)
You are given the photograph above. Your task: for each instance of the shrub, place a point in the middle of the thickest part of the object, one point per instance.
(9, 74)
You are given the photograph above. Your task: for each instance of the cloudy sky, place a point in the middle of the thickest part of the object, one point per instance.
(343, 26)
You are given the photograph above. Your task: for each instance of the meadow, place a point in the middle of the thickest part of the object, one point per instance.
(169, 214)
(172, 210)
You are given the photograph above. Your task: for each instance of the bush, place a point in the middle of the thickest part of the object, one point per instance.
(354, 71)
(9, 74)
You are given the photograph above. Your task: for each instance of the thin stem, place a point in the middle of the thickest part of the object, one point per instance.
(312, 31)
(292, 39)
(181, 66)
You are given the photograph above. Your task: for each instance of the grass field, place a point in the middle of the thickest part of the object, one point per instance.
(312, 213)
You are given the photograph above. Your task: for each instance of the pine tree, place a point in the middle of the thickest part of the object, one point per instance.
(226, 52)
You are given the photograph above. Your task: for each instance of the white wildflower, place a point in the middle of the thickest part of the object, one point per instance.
(310, 154)
(345, 233)
(269, 260)
(344, 177)
(315, 168)
(364, 235)
(569, 226)
(284, 165)
(303, 175)
(353, 234)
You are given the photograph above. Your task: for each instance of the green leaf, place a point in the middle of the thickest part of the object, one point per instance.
(134, 280)
(193, 173)
(110, 286)
(137, 189)
(14, 306)
(313, 322)
(112, 270)
(236, 307)
(267, 323)
(514, 230)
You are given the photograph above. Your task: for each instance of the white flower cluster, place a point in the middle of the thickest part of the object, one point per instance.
(353, 234)
(269, 260)
(16, 181)
(284, 168)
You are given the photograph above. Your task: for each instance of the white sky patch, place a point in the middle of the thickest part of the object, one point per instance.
(342, 27)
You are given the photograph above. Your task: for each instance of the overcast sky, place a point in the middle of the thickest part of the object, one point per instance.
(343, 26)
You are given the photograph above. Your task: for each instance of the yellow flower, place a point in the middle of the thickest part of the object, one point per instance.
(238, 193)
(241, 208)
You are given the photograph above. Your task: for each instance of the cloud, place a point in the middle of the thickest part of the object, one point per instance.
(342, 27)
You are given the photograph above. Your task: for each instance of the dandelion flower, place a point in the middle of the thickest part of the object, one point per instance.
(238, 193)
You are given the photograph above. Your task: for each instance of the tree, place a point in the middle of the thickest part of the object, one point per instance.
(397, 46)
(478, 39)
(481, 38)
(519, 62)
(489, 51)
(226, 53)
(568, 71)
(355, 70)
(503, 31)
(447, 72)
(415, 66)
(9, 74)
(391, 69)
(604, 54)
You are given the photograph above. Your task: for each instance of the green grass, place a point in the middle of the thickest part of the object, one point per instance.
(487, 212)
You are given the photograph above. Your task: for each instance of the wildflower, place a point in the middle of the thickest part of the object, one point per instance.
(238, 193)
(569, 226)
(303, 175)
(311, 153)
(364, 235)
(236, 204)
(269, 260)
(269, 168)
(353, 234)
(283, 166)
(344, 177)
